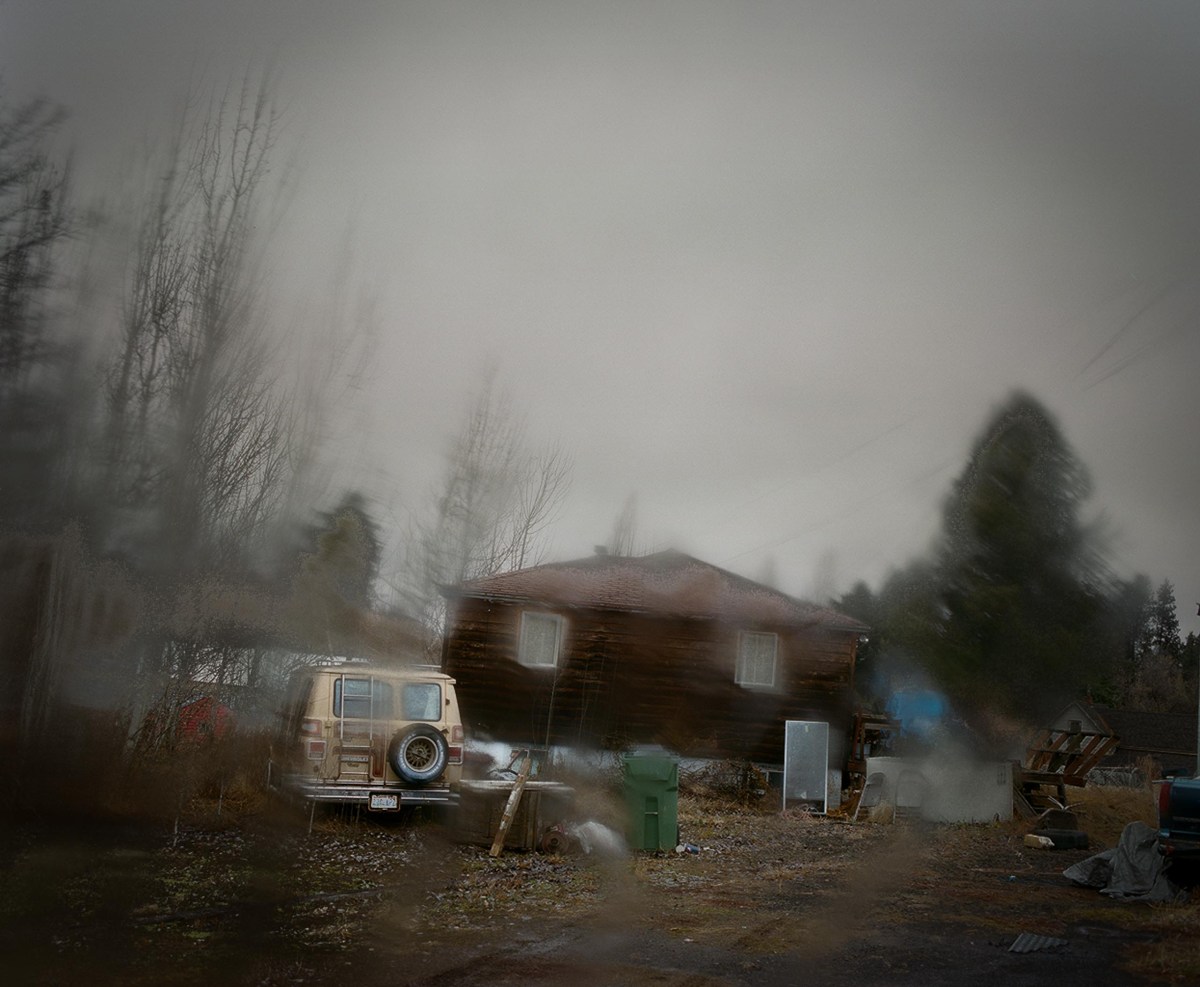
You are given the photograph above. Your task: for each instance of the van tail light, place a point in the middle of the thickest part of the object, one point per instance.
(315, 750)
(1164, 798)
(456, 745)
(310, 728)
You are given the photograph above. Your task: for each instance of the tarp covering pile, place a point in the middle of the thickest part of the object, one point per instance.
(1130, 871)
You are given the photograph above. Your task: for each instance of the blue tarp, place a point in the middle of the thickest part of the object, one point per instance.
(919, 711)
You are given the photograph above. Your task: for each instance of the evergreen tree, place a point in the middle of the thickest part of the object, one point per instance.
(1189, 659)
(863, 605)
(1160, 681)
(1160, 634)
(348, 551)
(1119, 628)
(1017, 574)
(334, 589)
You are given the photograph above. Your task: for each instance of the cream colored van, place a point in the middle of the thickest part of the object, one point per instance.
(379, 737)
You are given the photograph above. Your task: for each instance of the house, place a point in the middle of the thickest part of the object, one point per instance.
(1169, 739)
(614, 652)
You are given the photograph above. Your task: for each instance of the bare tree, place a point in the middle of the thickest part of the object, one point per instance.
(624, 540)
(33, 222)
(199, 438)
(768, 572)
(825, 577)
(1160, 686)
(200, 442)
(33, 219)
(493, 508)
(330, 424)
(202, 435)
(152, 323)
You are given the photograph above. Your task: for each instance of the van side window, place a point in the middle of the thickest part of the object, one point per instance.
(362, 699)
(422, 701)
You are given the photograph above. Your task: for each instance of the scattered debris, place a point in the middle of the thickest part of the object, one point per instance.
(1063, 839)
(1058, 818)
(872, 794)
(1130, 871)
(1038, 842)
(594, 837)
(555, 839)
(1027, 942)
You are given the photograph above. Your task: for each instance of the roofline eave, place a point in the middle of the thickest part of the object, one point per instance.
(798, 624)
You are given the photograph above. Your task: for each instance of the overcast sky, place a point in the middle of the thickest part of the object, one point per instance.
(769, 266)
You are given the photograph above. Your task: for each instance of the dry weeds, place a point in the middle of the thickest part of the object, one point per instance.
(236, 878)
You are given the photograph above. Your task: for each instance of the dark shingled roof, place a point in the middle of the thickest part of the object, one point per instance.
(669, 583)
(1171, 737)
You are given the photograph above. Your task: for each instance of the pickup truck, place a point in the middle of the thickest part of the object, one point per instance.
(1179, 818)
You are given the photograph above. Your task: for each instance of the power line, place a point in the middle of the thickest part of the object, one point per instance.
(853, 509)
(848, 454)
(1141, 351)
(1155, 299)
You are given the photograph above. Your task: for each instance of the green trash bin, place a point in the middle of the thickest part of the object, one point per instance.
(652, 798)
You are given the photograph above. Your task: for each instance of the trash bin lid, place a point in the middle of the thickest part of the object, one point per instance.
(651, 767)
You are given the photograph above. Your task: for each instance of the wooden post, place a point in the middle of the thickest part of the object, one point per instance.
(510, 810)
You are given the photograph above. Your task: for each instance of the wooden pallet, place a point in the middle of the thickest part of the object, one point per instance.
(1056, 759)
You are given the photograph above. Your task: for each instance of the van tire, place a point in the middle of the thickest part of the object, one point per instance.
(418, 754)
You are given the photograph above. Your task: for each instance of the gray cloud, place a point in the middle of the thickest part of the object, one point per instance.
(770, 265)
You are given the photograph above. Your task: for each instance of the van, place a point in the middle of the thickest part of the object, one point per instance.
(379, 737)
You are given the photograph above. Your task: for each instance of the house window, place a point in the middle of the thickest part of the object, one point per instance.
(541, 640)
(756, 659)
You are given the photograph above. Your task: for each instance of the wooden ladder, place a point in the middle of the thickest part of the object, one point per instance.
(510, 809)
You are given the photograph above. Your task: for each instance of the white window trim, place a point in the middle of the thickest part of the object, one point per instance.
(522, 646)
(739, 675)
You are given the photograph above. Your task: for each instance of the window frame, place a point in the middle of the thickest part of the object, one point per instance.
(528, 617)
(407, 708)
(377, 691)
(743, 659)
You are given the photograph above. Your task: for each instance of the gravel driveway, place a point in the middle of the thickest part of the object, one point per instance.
(770, 898)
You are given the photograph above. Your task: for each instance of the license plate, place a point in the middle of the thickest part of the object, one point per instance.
(381, 801)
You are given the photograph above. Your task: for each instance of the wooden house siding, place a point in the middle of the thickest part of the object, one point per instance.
(627, 677)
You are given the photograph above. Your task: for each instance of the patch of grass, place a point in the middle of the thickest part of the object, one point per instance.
(1104, 811)
(41, 882)
(1175, 957)
(528, 885)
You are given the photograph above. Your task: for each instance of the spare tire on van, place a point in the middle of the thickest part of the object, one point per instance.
(418, 754)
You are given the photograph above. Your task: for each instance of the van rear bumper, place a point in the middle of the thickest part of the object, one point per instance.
(1177, 847)
(361, 794)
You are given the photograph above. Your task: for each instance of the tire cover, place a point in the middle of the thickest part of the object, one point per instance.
(418, 736)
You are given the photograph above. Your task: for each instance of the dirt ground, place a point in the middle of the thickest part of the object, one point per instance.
(252, 897)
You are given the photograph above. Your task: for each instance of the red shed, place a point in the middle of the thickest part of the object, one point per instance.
(203, 718)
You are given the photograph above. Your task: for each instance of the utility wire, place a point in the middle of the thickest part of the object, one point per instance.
(848, 454)
(851, 510)
(1147, 346)
(1155, 299)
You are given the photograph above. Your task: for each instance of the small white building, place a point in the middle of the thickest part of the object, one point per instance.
(946, 789)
